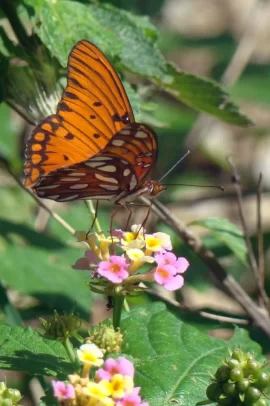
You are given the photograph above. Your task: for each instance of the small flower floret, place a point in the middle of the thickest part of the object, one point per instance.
(115, 269)
(63, 391)
(90, 354)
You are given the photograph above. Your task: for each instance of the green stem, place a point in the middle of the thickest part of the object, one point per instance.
(69, 349)
(126, 305)
(118, 302)
(18, 28)
(13, 316)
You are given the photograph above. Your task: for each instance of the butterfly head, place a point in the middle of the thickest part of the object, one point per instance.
(155, 188)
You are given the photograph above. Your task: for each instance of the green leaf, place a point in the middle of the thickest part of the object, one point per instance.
(23, 349)
(203, 95)
(131, 41)
(227, 233)
(139, 52)
(173, 359)
(60, 33)
(40, 265)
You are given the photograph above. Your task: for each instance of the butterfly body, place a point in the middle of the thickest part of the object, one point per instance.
(92, 148)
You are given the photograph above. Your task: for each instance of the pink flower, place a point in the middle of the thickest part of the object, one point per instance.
(166, 275)
(63, 391)
(115, 270)
(132, 399)
(121, 365)
(168, 258)
(87, 262)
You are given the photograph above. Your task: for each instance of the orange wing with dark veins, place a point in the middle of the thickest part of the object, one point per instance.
(119, 170)
(93, 108)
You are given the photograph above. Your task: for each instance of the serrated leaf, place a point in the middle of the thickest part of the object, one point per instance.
(227, 233)
(203, 95)
(173, 359)
(139, 52)
(60, 33)
(132, 41)
(23, 349)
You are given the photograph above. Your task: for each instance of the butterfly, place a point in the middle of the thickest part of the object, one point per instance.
(92, 148)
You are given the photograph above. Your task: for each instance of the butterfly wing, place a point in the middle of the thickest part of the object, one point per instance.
(119, 170)
(94, 107)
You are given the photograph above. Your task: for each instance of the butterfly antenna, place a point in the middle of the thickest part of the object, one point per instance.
(174, 166)
(185, 184)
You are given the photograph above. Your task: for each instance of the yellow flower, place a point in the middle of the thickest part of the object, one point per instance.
(134, 244)
(136, 233)
(98, 394)
(90, 354)
(104, 245)
(120, 385)
(156, 242)
(152, 243)
(135, 254)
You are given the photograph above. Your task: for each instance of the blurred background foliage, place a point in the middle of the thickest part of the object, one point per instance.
(201, 37)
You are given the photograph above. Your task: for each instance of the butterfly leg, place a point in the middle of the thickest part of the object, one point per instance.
(129, 216)
(147, 214)
(94, 219)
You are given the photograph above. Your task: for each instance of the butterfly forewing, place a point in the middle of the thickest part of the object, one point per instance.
(94, 106)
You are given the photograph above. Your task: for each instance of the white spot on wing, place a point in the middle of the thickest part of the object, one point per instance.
(139, 163)
(48, 187)
(148, 153)
(79, 186)
(124, 162)
(105, 178)
(118, 143)
(125, 132)
(141, 134)
(133, 182)
(108, 168)
(53, 197)
(101, 159)
(93, 164)
(70, 179)
(109, 187)
(66, 199)
(146, 165)
(77, 174)
(126, 172)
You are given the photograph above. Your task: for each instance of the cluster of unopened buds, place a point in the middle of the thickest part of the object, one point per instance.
(9, 396)
(116, 261)
(112, 384)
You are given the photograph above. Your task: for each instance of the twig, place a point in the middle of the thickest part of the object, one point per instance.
(207, 315)
(260, 231)
(251, 255)
(258, 316)
(39, 202)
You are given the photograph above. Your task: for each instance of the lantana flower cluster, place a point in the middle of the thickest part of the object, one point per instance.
(117, 260)
(113, 384)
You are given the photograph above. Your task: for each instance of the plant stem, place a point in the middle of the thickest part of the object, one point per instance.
(13, 316)
(118, 302)
(70, 351)
(126, 306)
(18, 28)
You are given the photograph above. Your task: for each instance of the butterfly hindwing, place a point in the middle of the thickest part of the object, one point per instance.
(119, 169)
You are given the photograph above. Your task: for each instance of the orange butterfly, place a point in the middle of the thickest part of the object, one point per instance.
(92, 148)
